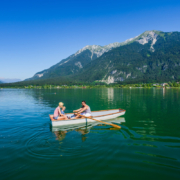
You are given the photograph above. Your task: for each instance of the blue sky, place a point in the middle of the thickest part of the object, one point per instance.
(35, 35)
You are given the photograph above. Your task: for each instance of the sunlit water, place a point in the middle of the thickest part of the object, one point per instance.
(147, 146)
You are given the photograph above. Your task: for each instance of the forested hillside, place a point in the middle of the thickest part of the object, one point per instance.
(138, 62)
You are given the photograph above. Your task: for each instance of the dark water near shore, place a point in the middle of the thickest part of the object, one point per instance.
(147, 146)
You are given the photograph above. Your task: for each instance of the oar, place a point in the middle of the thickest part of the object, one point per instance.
(114, 125)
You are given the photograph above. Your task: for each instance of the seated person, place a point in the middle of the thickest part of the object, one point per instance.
(84, 110)
(59, 112)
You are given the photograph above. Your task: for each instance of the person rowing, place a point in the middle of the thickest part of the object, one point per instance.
(59, 112)
(84, 110)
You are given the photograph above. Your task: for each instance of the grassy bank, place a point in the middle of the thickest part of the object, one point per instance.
(140, 85)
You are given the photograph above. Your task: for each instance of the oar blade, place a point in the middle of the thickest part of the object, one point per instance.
(116, 126)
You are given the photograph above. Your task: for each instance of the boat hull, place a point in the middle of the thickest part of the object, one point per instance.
(99, 115)
(87, 126)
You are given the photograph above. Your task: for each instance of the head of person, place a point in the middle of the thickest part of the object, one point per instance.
(61, 104)
(83, 103)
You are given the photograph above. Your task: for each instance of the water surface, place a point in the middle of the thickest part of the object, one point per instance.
(147, 146)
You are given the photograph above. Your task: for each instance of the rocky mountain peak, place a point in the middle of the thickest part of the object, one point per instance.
(142, 39)
(98, 50)
(148, 36)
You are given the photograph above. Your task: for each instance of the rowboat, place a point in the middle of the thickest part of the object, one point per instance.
(102, 115)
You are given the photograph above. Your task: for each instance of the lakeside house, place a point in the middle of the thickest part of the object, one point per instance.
(164, 84)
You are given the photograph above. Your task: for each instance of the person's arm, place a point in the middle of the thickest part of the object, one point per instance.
(77, 110)
(83, 109)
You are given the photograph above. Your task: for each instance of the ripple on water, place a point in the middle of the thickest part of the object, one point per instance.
(45, 145)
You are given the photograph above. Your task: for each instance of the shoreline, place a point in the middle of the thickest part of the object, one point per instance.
(85, 87)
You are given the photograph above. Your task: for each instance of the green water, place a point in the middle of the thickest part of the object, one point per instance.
(147, 146)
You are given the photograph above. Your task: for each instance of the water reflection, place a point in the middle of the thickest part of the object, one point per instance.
(60, 135)
(61, 131)
(110, 93)
(164, 91)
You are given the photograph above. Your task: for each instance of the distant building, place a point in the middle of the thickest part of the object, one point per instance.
(164, 84)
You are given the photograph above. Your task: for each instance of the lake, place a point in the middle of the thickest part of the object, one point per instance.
(147, 146)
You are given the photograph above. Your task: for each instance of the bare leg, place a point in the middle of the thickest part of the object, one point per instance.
(77, 116)
(65, 117)
(62, 117)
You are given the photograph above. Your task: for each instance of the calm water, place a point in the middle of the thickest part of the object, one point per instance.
(147, 146)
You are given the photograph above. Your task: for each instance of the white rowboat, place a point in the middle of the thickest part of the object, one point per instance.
(102, 115)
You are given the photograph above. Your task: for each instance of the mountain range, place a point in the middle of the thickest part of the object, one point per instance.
(150, 56)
